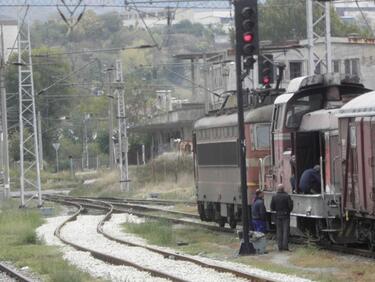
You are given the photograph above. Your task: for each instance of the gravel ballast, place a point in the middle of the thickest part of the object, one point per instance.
(85, 262)
(83, 232)
(114, 228)
(5, 278)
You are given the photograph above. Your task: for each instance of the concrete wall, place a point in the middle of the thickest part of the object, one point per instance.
(10, 35)
(342, 49)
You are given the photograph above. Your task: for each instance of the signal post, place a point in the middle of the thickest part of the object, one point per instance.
(247, 46)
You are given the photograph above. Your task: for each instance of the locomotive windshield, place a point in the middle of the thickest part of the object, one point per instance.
(299, 107)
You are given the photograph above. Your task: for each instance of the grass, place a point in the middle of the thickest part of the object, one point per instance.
(170, 176)
(49, 180)
(308, 262)
(19, 244)
(157, 233)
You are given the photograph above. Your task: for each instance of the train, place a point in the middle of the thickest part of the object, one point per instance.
(324, 120)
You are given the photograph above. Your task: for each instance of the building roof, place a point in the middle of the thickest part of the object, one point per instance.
(5, 20)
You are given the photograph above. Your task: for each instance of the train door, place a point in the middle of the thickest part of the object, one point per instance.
(349, 164)
(308, 148)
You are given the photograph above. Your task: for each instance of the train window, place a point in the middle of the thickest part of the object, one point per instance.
(218, 154)
(298, 108)
(261, 136)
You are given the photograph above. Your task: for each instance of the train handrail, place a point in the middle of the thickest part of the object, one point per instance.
(262, 173)
(321, 177)
(334, 176)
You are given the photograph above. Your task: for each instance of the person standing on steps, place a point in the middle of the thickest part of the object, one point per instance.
(282, 204)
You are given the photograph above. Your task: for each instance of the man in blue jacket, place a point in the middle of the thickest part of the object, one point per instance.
(310, 181)
(258, 213)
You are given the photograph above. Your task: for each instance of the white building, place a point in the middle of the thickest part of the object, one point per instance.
(9, 28)
(349, 12)
(351, 57)
(158, 17)
(222, 18)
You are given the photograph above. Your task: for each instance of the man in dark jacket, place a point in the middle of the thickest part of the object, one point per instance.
(282, 204)
(258, 213)
(310, 181)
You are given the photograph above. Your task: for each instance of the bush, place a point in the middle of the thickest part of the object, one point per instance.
(164, 167)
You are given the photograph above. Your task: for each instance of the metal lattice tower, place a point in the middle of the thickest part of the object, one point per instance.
(122, 129)
(314, 24)
(29, 151)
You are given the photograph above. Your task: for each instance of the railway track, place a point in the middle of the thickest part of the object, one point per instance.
(146, 202)
(110, 209)
(119, 207)
(14, 273)
(134, 209)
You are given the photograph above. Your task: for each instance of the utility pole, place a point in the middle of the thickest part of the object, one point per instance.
(4, 120)
(56, 146)
(193, 79)
(247, 46)
(110, 120)
(313, 35)
(40, 140)
(205, 84)
(122, 129)
(86, 145)
(29, 150)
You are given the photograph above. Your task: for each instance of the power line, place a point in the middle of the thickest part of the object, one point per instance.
(146, 46)
(19, 31)
(365, 18)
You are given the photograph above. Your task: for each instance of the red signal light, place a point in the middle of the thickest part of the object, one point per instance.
(266, 80)
(248, 37)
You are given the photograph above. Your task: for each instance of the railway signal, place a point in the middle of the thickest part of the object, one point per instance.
(247, 39)
(266, 70)
(247, 45)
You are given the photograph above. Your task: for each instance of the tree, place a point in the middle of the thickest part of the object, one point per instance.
(282, 20)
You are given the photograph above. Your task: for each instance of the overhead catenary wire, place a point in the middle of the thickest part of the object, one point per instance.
(19, 31)
(364, 18)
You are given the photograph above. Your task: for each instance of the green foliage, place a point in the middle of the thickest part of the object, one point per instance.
(20, 245)
(166, 166)
(282, 20)
(158, 233)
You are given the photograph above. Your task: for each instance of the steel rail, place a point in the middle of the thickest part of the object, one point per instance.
(331, 247)
(172, 255)
(104, 257)
(140, 206)
(146, 201)
(14, 273)
(89, 202)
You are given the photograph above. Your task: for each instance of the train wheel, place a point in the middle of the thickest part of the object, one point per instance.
(232, 222)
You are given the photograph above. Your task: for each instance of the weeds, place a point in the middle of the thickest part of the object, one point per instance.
(158, 233)
(19, 243)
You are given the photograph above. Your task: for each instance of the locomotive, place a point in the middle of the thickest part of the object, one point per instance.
(319, 120)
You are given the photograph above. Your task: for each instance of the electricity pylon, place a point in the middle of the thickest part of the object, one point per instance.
(29, 151)
(314, 24)
(122, 151)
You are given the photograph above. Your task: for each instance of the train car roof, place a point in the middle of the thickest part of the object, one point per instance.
(261, 114)
(363, 105)
(324, 119)
(216, 121)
